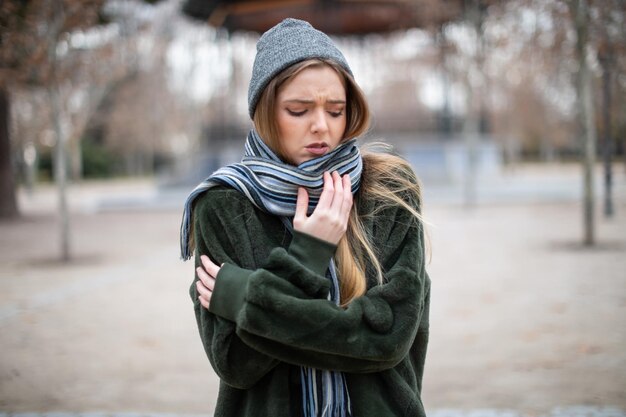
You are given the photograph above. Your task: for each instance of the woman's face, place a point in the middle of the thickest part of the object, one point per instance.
(311, 114)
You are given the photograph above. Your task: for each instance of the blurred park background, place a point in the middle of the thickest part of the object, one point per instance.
(511, 113)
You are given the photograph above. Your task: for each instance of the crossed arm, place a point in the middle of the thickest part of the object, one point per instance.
(328, 222)
(258, 317)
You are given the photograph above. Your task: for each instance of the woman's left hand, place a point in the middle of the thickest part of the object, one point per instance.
(206, 274)
(329, 220)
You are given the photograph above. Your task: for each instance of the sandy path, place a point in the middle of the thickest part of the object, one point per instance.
(522, 317)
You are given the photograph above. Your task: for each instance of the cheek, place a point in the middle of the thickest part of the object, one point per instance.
(288, 126)
(280, 122)
(338, 127)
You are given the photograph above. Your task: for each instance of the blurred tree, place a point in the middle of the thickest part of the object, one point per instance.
(141, 108)
(8, 203)
(599, 29)
(475, 123)
(580, 14)
(68, 49)
(144, 117)
(31, 31)
(533, 54)
(610, 41)
(552, 54)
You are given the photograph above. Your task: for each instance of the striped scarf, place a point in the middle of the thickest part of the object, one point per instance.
(272, 186)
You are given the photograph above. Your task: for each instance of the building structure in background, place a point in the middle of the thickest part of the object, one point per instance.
(395, 48)
(334, 17)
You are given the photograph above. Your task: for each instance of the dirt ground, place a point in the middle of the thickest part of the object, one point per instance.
(523, 317)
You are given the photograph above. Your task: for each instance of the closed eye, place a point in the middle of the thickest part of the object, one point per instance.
(336, 114)
(296, 113)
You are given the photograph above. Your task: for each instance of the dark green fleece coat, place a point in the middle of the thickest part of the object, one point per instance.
(269, 313)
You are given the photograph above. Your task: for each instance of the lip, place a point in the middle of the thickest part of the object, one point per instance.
(317, 148)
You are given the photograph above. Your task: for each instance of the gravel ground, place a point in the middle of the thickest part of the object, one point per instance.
(525, 321)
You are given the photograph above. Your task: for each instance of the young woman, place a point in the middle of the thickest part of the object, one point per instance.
(310, 292)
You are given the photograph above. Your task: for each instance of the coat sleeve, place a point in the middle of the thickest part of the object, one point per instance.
(235, 362)
(281, 308)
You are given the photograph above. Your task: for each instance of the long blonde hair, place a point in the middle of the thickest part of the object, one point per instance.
(386, 178)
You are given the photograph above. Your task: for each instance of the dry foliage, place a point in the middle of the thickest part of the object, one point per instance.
(28, 30)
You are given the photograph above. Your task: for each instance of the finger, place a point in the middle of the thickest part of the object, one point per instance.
(347, 193)
(326, 198)
(337, 202)
(209, 266)
(302, 204)
(347, 183)
(203, 291)
(204, 303)
(207, 280)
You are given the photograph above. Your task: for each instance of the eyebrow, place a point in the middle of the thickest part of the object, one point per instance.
(303, 101)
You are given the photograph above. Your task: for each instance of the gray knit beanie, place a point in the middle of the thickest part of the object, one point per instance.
(285, 44)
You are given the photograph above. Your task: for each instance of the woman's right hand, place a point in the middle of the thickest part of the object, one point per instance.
(329, 220)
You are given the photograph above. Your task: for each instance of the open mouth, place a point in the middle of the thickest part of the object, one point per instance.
(319, 148)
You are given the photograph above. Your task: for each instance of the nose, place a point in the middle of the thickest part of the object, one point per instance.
(319, 124)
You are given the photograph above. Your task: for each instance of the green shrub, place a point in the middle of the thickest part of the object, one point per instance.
(98, 162)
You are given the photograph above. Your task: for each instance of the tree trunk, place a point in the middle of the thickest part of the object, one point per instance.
(586, 117)
(606, 61)
(60, 159)
(60, 173)
(8, 200)
(76, 160)
(473, 124)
